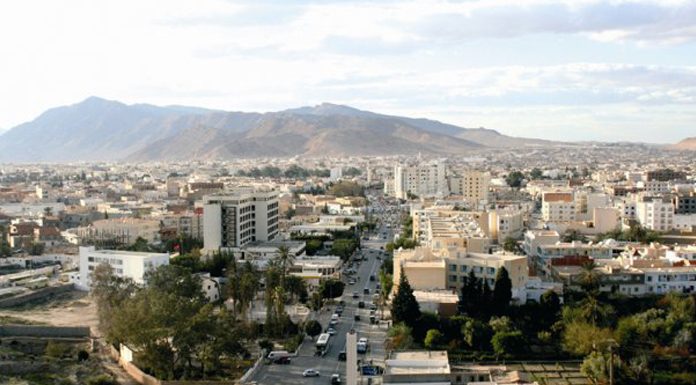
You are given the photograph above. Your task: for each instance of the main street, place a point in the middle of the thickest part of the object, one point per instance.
(328, 364)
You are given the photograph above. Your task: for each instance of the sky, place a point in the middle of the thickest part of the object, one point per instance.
(565, 70)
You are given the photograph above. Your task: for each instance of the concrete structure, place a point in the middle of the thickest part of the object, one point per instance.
(446, 269)
(558, 206)
(351, 358)
(471, 185)
(423, 180)
(655, 214)
(238, 218)
(417, 367)
(535, 238)
(128, 264)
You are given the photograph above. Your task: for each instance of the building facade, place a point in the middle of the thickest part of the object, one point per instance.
(236, 219)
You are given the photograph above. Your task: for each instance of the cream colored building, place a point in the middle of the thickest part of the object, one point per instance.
(558, 206)
(422, 180)
(429, 270)
(471, 185)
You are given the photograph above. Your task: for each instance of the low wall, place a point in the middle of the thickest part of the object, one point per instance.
(145, 379)
(35, 294)
(44, 331)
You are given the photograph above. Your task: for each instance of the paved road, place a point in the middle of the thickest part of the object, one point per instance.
(274, 374)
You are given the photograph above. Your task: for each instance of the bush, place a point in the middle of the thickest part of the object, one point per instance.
(56, 350)
(102, 379)
(82, 355)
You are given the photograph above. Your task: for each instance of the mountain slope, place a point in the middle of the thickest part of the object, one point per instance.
(288, 134)
(687, 144)
(101, 130)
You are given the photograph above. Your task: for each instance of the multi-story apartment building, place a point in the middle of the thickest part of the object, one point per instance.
(422, 180)
(664, 175)
(128, 264)
(238, 218)
(558, 207)
(655, 213)
(684, 204)
(471, 185)
(447, 268)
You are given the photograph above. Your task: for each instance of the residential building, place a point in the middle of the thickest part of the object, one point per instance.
(685, 203)
(558, 206)
(128, 264)
(655, 213)
(423, 180)
(471, 185)
(417, 367)
(238, 218)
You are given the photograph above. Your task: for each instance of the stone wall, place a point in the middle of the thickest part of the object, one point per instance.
(44, 331)
(35, 295)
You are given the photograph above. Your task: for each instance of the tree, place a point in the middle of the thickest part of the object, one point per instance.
(433, 338)
(536, 173)
(508, 343)
(510, 245)
(502, 290)
(296, 287)
(595, 367)
(550, 305)
(110, 292)
(285, 261)
(589, 278)
(399, 337)
(405, 308)
(331, 288)
(580, 338)
(514, 179)
(476, 334)
(312, 328)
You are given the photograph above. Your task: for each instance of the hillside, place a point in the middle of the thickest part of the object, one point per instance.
(688, 144)
(104, 130)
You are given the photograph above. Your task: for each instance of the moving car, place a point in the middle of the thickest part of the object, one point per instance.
(310, 373)
(331, 331)
(356, 295)
(335, 379)
(361, 305)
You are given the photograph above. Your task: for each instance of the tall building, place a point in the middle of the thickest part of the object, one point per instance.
(127, 264)
(655, 214)
(238, 218)
(421, 180)
(471, 185)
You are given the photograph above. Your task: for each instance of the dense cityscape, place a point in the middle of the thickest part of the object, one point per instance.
(407, 269)
(358, 192)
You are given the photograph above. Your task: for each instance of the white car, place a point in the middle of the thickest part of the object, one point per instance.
(362, 340)
(310, 373)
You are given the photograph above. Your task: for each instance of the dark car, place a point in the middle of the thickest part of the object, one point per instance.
(282, 361)
(357, 317)
(361, 304)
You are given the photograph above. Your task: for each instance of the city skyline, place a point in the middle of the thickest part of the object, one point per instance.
(630, 76)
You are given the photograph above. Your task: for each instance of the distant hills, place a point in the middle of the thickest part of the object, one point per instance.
(102, 130)
(688, 144)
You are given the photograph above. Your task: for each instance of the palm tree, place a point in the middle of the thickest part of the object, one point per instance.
(285, 260)
(589, 278)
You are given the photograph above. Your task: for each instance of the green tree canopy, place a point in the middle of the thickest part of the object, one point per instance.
(405, 308)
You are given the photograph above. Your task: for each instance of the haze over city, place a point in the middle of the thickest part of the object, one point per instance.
(569, 70)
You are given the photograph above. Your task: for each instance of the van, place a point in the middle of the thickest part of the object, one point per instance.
(276, 354)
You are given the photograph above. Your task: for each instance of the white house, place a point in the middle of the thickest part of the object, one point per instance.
(129, 264)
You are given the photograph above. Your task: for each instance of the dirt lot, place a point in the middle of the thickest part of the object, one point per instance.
(75, 308)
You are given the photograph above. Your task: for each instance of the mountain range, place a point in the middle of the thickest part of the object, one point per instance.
(97, 129)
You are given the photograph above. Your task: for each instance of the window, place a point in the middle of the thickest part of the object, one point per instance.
(90, 259)
(453, 267)
(453, 278)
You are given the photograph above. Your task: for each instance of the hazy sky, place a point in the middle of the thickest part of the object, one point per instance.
(575, 70)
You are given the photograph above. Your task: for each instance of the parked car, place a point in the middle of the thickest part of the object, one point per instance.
(335, 379)
(356, 295)
(357, 317)
(361, 305)
(282, 361)
(310, 373)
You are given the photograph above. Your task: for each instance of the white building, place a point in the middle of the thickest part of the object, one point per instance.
(655, 214)
(238, 218)
(336, 173)
(422, 180)
(128, 264)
